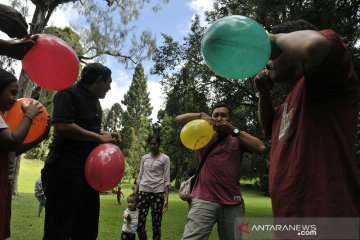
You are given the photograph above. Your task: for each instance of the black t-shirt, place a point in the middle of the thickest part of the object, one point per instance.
(74, 105)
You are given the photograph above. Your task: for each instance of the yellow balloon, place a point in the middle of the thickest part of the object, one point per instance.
(196, 134)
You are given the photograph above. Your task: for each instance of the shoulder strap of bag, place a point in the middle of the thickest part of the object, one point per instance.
(206, 154)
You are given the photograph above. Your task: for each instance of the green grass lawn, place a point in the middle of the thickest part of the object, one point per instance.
(25, 225)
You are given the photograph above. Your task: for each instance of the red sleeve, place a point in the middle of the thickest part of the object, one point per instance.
(336, 67)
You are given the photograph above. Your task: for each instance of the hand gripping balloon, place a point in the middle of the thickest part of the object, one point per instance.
(51, 63)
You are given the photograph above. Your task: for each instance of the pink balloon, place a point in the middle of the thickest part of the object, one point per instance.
(104, 167)
(51, 63)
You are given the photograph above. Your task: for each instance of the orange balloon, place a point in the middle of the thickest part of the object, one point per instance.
(14, 116)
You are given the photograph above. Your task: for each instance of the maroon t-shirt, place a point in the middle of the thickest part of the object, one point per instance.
(312, 163)
(219, 178)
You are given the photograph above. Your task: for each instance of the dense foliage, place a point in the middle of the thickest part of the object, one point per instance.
(136, 122)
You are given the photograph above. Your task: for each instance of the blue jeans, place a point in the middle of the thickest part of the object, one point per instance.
(204, 214)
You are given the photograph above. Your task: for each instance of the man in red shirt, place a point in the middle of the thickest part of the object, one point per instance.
(216, 196)
(313, 172)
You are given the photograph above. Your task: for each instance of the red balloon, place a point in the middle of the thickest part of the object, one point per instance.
(14, 116)
(51, 63)
(104, 167)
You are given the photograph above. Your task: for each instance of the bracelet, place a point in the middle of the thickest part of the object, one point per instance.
(28, 116)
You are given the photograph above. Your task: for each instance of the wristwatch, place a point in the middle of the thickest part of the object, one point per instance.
(235, 132)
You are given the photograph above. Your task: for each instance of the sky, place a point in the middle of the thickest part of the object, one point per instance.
(173, 19)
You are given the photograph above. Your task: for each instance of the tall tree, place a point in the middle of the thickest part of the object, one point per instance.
(136, 118)
(137, 99)
(113, 118)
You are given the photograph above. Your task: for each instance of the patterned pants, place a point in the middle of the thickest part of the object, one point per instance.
(127, 236)
(156, 202)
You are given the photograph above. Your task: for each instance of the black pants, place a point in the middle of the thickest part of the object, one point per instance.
(72, 206)
(127, 236)
(156, 202)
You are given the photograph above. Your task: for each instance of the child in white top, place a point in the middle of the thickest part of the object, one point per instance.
(130, 219)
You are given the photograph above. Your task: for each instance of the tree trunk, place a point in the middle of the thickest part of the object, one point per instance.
(14, 168)
(25, 85)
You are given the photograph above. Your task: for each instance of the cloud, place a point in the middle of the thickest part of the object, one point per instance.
(200, 6)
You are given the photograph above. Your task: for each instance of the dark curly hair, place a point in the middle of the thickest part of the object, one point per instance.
(6, 79)
(156, 137)
(92, 71)
(292, 26)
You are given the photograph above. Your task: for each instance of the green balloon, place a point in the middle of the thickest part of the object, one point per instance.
(236, 47)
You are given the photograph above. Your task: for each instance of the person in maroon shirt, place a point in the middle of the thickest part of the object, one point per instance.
(313, 172)
(216, 195)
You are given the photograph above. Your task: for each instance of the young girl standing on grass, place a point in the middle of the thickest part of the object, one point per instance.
(131, 215)
(10, 142)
